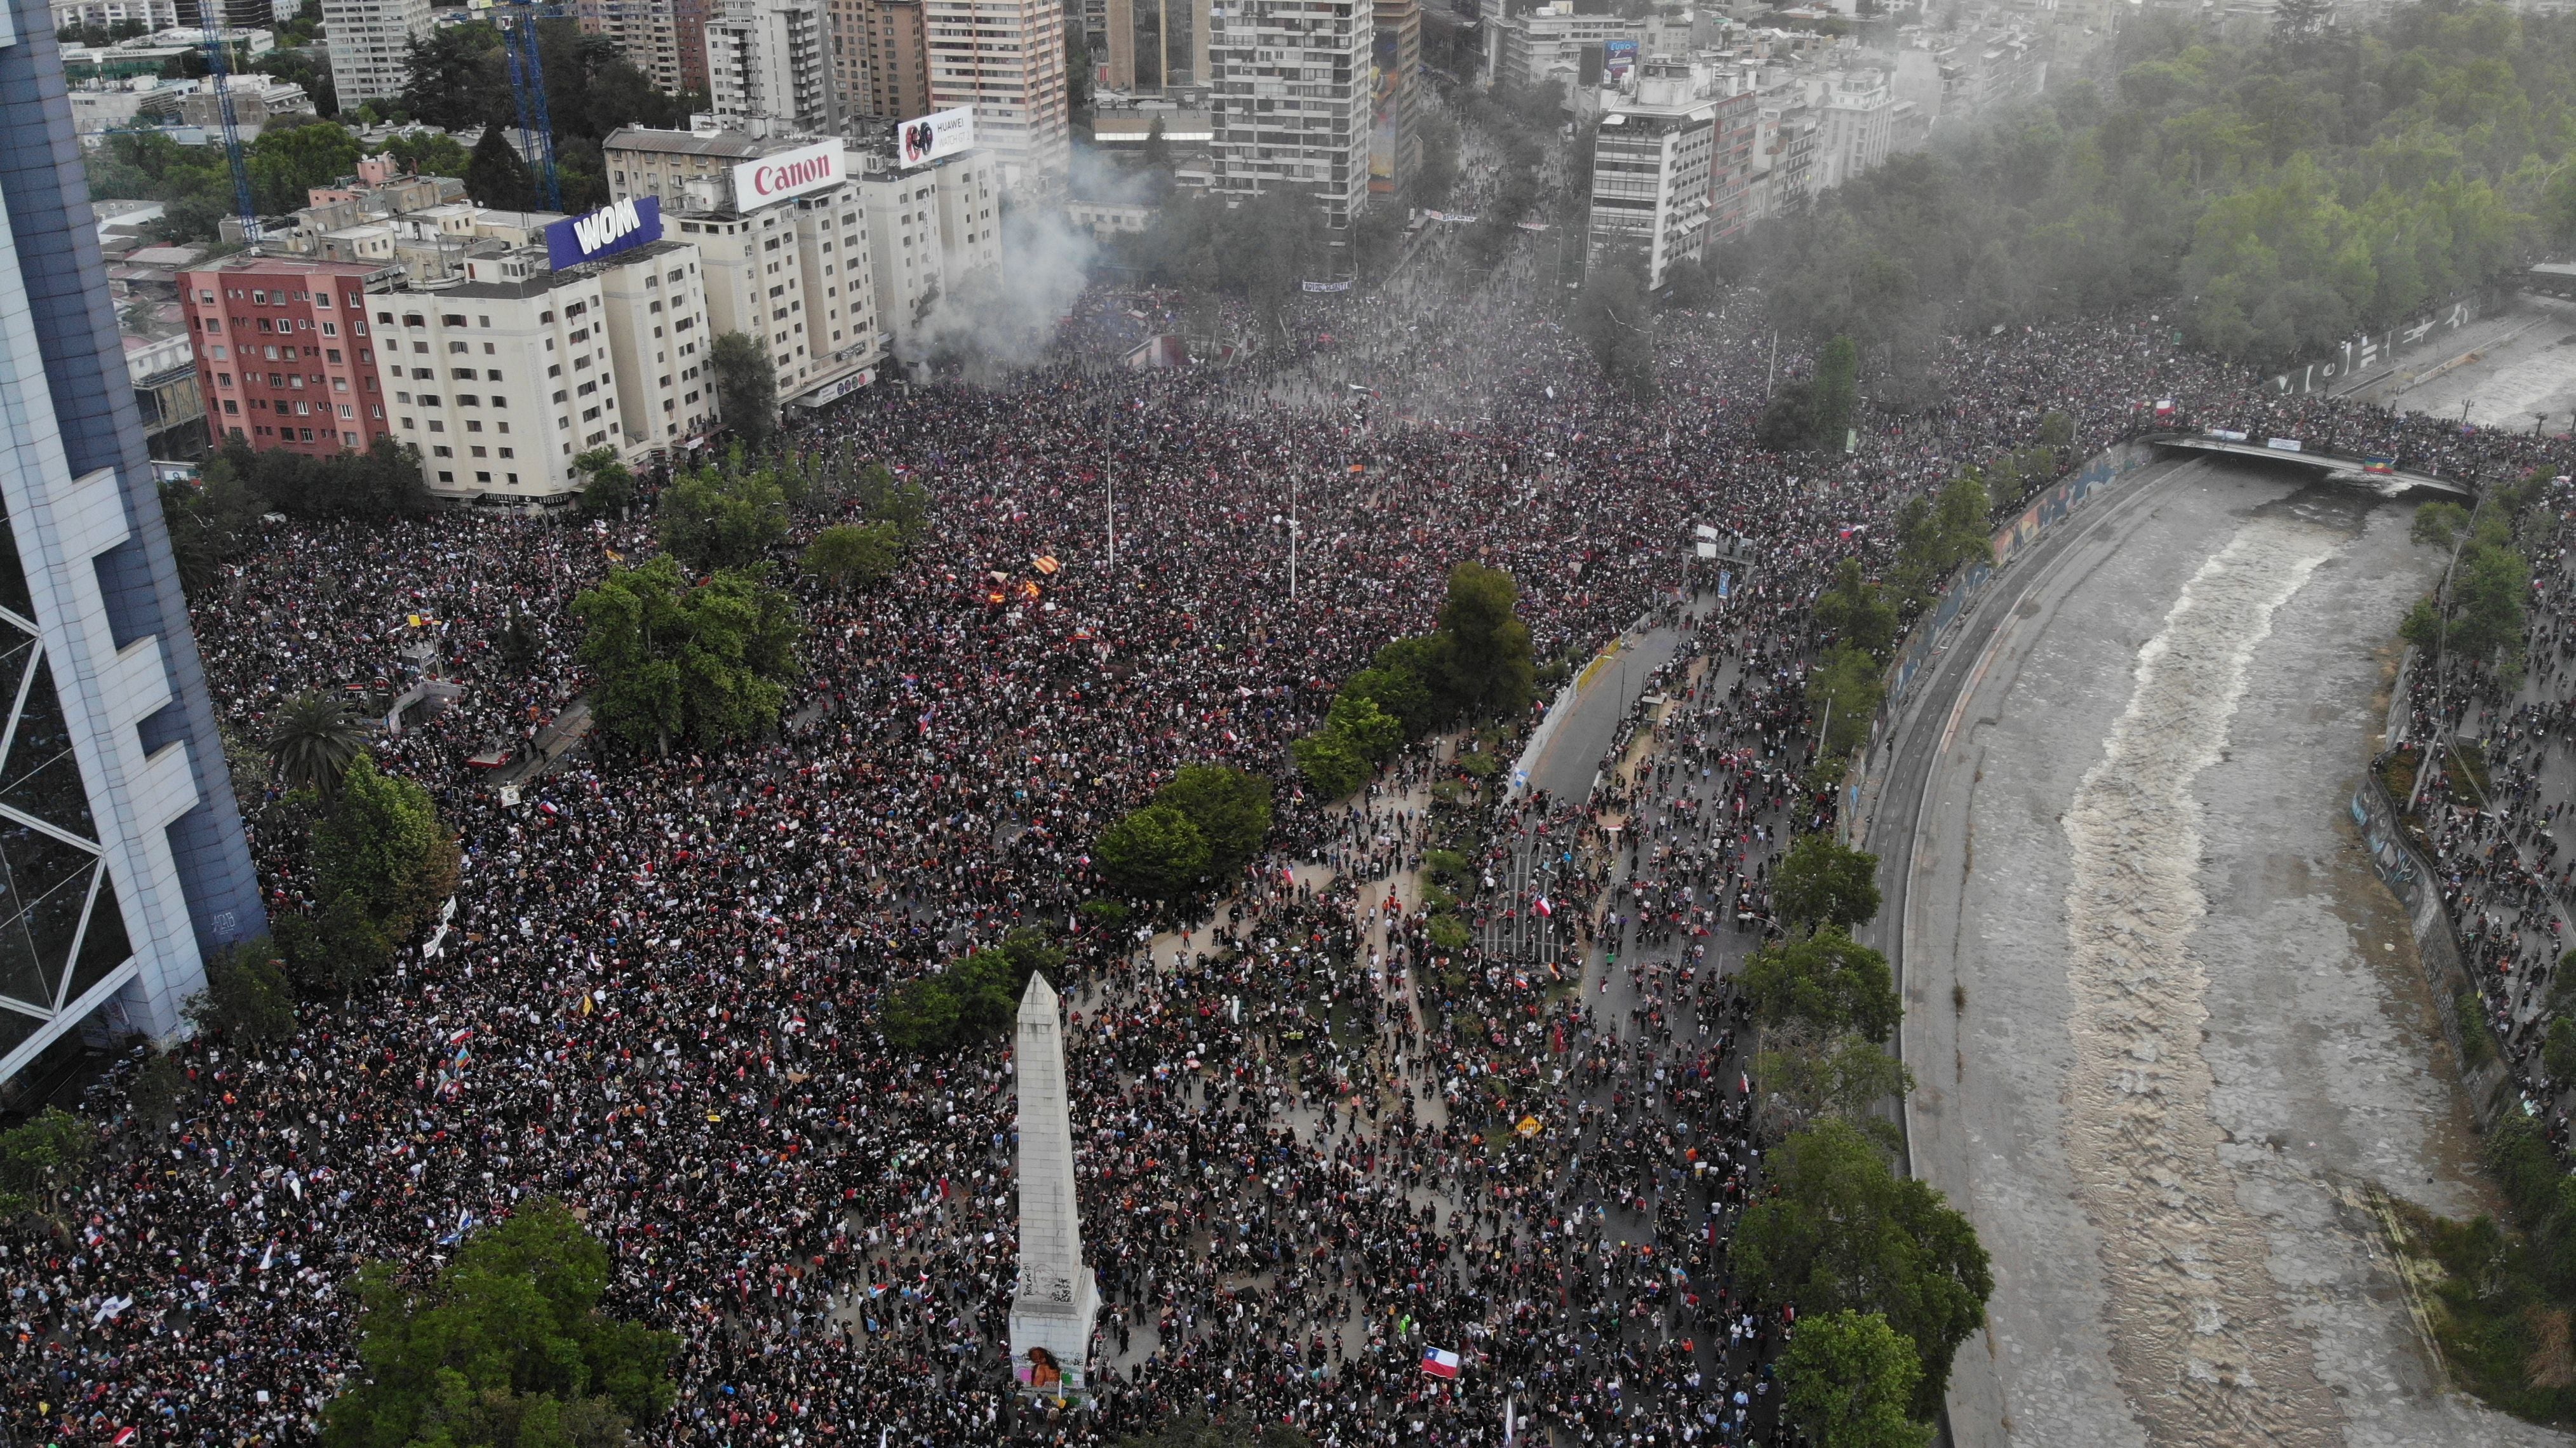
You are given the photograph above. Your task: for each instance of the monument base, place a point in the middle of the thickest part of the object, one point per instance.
(1051, 1342)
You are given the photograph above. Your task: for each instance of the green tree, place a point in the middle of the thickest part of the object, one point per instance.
(1853, 612)
(1823, 882)
(1229, 807)
(335, 952)
(853, 555)
(1788, 420)
(383, 842)
(1852, 684)
(312, 740)
(1847, 1380)
(608, 486)
(921, 1017)
(1614, 317)
(42, 1155)
(505, 1348)
(2559, 1055)
(1155, 852)
(708, 663)
(1330, 763)
(1827, 981)
(496, 176)
(1371, 732)
(1398, 692)
(723, 517)
(1836, 392)
(2438, 525)
(158, 1093)
(246, 999)
(289, 159)
(1843, 1233)
(1488, 647)
(746, 387)
(1807, 1077)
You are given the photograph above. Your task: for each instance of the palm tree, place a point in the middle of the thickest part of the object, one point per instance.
(312, 742)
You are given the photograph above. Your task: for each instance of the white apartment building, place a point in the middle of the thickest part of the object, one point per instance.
(1653, 170)
(772, 58)
(156, 15)
(502, 379)
(1856, 126)
(933, 227)
(1292, 105)
(1527, 49)
(1006, 59)
(371, 45)
(793, 271)
(655, 299)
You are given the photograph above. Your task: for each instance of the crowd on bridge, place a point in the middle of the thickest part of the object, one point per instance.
(660, 995)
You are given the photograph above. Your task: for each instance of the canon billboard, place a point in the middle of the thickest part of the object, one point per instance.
(941, 133)
(789, 173)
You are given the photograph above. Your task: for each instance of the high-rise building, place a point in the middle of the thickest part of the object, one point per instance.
(1654, 170)
(1291, 111)
(1156, 46)
(782, 234)
(1006, 59)
(879, 62)
(647, 33)
(122, 847)
(772, 58)
(1395, 122)
(371, 46)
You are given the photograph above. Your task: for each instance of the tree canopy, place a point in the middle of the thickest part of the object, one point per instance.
(1842, 1232)
(709, 662)
(1847, 1380)
(1823, 882)
(1826, 980)
(2277, 195)
(505, 1347)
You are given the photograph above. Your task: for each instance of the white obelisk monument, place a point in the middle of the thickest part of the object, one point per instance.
(1057, 1300)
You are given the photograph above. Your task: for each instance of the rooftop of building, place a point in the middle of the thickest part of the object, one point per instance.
(247, 262)
(733, 145)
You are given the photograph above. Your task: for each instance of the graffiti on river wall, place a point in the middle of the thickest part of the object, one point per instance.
(2357, 355)
(2418, 889)
(2044, 512)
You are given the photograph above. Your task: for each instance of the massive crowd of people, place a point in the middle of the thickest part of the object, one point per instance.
(1313, 1142)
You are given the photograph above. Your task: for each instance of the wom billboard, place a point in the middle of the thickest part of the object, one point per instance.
(789, 173)
(941, 133)
(616, 227)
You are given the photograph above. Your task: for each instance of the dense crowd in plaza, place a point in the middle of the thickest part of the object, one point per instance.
(658, 1001)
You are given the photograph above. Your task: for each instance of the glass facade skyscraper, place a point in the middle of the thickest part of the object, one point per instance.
(122, 859)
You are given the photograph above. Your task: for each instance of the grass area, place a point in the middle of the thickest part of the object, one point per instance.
(2469, 759)
(2397, 773)
(2495, 1297)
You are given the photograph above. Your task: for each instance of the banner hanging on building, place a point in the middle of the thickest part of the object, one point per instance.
(618, 226)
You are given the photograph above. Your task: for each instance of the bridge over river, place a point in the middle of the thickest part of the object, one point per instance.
(2388, 482)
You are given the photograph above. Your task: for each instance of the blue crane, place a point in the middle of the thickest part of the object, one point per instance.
(528, 88)
(219, 70)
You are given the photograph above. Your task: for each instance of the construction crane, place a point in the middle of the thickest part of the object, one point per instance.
(219, 70)
(528, 88)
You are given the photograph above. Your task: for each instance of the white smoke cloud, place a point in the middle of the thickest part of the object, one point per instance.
(1004, 316)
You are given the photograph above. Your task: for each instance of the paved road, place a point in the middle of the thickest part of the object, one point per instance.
(2164, 1019)
(1569, 759)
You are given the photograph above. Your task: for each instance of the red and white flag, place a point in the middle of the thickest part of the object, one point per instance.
(1543, 907)
(1440, 1362)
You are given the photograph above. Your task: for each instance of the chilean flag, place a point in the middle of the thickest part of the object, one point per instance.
(1545, 908)
(1440, 1362)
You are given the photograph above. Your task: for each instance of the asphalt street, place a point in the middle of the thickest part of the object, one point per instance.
(2165, 1023)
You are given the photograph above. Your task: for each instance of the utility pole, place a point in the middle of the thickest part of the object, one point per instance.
(1109, 475)
(1772, 375)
